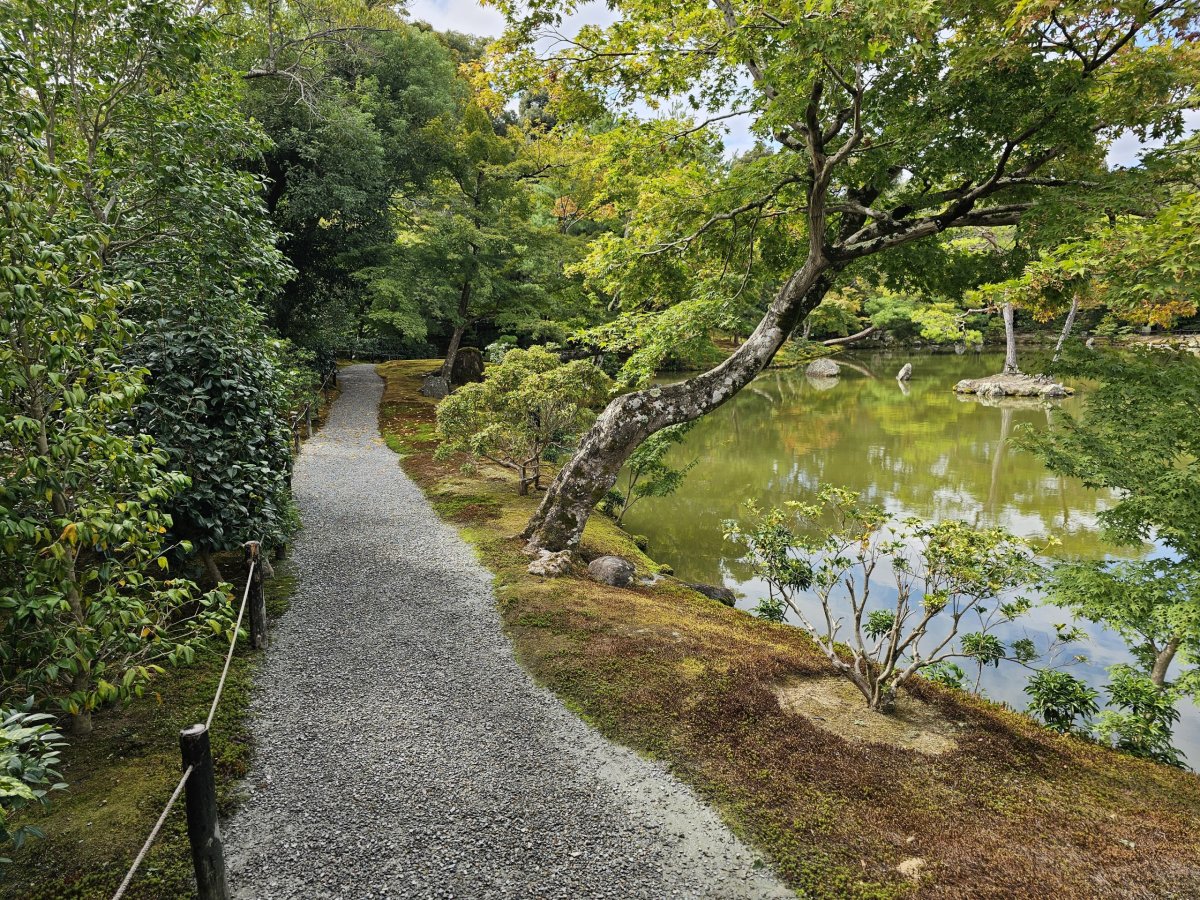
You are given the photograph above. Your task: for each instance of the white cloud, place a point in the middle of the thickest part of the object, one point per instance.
(468, 16)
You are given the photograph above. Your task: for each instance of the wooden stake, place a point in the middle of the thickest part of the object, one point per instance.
(204, 831)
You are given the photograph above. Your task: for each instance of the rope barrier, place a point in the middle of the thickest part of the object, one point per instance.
(212, 711)
(295, 423)
(153, 834)
(232, 643)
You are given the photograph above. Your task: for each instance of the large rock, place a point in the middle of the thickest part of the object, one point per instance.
(712, 592)
(468, 366)
(905, 373)
(551, 565)
(612, 570)
(823, 368)
(435, 386)
(1013, 386)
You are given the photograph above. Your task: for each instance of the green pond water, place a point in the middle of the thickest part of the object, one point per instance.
(917, 449)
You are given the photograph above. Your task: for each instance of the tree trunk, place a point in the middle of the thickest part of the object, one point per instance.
(211, 567)
(1010, 342)
(1067, 326)
(629, 419)
(460, 327)
(1162, 662)
(81, 722)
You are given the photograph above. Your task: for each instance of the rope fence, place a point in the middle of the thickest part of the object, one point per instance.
(198, 782)
(305, 413)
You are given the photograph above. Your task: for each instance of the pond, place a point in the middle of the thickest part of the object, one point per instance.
(917, 449)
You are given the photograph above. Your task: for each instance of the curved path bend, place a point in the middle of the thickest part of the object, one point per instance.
(402, 752)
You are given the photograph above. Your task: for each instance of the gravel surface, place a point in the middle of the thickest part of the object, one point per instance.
(402, 752)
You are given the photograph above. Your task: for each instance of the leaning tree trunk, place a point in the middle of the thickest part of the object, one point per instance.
(631, 418)
(1010, 342)
(1067, 326)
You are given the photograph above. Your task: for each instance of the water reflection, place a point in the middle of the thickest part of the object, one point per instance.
(916, 448)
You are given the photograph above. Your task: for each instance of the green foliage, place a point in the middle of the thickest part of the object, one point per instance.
(1144, 718)
(647, 473)
(526, 406)
(30, 751)
(154, 150)
(81, 518)
(1154, 605)
(1059, 699)
(772, 608)
(885, 132)
(947, 674)
(944, 571)
(1153, 395)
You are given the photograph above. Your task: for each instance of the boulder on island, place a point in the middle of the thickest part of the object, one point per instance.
(612, 570)
(1014, 385)
(823, 368)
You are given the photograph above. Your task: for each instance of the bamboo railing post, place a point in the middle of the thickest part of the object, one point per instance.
(256, 599)
(308, 421)
(204, 831)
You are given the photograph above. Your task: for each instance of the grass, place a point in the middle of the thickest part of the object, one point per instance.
(1014, 811)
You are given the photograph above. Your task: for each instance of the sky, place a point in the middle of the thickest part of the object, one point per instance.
(473, 18)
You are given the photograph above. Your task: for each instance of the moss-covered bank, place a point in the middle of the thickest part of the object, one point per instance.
(1014, 811)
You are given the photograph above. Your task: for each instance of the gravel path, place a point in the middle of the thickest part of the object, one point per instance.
(401, 750)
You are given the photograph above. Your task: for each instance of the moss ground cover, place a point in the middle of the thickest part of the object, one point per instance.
(1013, 811)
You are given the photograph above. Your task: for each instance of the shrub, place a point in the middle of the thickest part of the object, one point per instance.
(1059, 699)
(946, 572)
(29, 759)
(525, 407)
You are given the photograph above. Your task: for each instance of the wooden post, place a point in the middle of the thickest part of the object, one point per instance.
(256, 600)
(204, 831)
(308, 420)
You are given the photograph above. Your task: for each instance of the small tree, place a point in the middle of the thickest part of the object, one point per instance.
(524, 407)
(943, 574)
(647, 474)
(1059, 698)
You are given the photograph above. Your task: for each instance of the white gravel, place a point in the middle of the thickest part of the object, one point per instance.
(402, 752)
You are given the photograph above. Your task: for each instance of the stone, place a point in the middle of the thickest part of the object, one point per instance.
(713, 592)
(823, 368)
(551, 565)
(905, 373)
(1017, 385)
(468, 366)
(435, 386)
(612, 570)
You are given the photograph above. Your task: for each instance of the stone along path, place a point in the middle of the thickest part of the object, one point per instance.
(402, 752)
